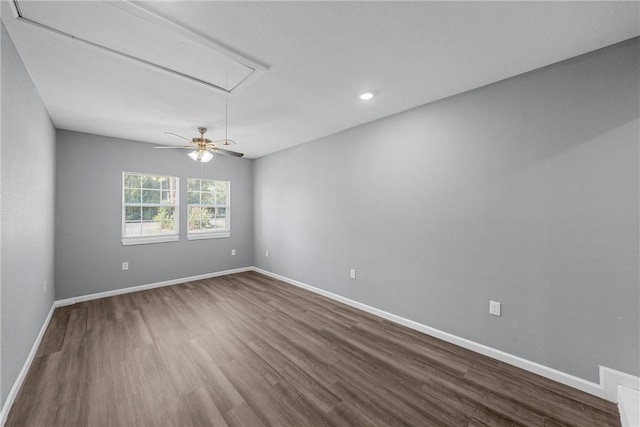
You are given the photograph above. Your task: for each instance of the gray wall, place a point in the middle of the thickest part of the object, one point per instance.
(27, 243)
(89, 252)
(525, 191)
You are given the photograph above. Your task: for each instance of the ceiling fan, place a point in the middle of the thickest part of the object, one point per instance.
(202, 148)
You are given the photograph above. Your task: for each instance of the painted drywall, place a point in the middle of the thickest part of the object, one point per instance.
(89, 251)
(27, 210)
(525, 192)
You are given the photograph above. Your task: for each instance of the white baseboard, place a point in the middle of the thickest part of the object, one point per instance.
(11, 397)
(609, 378)
(89, 297)
(629, 405)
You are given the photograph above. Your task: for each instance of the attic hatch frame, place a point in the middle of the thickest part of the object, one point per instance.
(256, 68)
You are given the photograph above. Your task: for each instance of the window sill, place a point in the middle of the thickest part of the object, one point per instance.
(145, 240)
(201, 236)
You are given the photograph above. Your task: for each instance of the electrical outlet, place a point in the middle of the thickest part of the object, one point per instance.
(494, 308)
(125, 265)
(352, 273)
(233, 251)
(266, 254)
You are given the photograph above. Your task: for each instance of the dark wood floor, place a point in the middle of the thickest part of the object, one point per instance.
(249, 350)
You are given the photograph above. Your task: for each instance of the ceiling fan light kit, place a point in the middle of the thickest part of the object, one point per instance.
(201, 156)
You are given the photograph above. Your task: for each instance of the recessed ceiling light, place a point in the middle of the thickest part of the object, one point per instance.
(366, 96)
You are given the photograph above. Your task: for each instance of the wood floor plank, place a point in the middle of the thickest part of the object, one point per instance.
(507, 408)
(254, 389)
(248, 350)
(403, 406)
(222, 393)
(202, 409)
(53, 338)
(551, 404)
(345, 414)
(306, 385)
(408, 392)
(243, 415)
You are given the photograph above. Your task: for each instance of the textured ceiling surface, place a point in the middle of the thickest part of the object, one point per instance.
(317, 57)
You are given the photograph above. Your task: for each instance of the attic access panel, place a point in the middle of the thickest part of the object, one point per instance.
(131, 32)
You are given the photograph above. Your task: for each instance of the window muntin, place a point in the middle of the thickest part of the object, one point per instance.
(208, 208)
(149, 207)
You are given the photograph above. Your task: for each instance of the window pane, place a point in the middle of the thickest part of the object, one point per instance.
(201, 219)
(222, 186)
(167, 197)
(132, 196)
(221, 198)
(150, 196)
(193, 198)
(148, 213)
(222, 213)
(163, 182)
(132, 213)
(208, 215)
(150, 227)
(167, 226)
(165, 218)
(207, 185)
(132, 181)
(193, 184)
(150, 181)
(132, 229)
(207, 199)
(194, 219)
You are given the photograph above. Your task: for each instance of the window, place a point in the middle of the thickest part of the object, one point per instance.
(149, 208)
(208, 208)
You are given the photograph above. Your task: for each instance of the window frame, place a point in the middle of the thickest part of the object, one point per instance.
(153, 238)
(210, 234)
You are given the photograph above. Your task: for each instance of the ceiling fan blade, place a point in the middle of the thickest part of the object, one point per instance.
(178, 136)
(184, 147)
(226, 142)
(227, 152)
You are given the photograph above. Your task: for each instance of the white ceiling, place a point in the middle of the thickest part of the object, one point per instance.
(318, 56)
